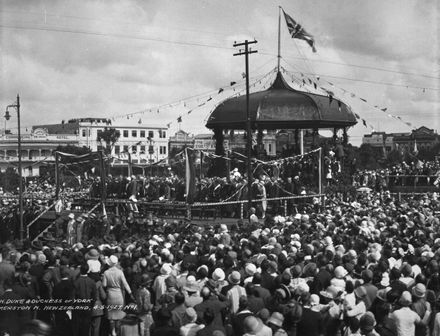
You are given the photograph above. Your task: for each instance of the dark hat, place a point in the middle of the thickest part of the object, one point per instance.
(234, 277)
(37, 244)
(367, 322)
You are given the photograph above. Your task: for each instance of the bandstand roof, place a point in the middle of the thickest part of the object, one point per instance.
(282, 107)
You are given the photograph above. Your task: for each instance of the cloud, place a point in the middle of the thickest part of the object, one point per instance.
(109, 58)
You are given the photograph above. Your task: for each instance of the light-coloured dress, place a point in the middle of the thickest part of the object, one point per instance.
(115, 283)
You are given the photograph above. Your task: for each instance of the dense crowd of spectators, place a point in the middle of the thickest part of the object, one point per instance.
(369, 266)
(417, 173)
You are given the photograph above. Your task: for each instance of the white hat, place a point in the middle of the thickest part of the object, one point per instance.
(71, 216)
(218, 275)
(165, 269)
(223, 228)
(113, 260)
(250, 269)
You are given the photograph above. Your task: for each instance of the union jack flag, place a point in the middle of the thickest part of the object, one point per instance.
(298, 32)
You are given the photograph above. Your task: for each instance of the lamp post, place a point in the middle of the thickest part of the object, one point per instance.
(20, 173)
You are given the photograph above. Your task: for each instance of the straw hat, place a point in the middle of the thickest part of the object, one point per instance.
(419, 291)
(112, 260)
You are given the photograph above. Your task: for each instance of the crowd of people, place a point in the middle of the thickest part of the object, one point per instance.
(364, 266)
(417, 173)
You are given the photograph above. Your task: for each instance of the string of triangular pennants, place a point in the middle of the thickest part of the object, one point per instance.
(200, 100)
(238, 93)
(316, 84)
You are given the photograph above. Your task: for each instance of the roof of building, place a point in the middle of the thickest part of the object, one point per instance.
(281, 106)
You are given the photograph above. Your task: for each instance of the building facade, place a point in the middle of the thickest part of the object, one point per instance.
(380, 140)
(37, 150)
(142, 143)
(421, 137)
(179, 141)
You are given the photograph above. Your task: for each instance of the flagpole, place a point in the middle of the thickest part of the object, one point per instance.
(279, 37)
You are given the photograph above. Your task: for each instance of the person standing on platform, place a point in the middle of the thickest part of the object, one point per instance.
(71, 229)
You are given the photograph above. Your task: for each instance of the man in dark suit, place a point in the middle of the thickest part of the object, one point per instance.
(85, 290)
(255, 303)
(210, 325)
(260, 291)
(64, 291)
(211, 302)
(239, 317)
(9, 319)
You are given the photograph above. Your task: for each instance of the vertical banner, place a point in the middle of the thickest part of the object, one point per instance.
(190, 175)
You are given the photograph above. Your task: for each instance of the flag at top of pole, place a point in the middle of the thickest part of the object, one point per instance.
(298, 32)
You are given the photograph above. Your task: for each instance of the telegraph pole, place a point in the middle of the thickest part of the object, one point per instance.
(246, 53)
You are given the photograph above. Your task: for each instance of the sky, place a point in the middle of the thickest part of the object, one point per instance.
(151, 61)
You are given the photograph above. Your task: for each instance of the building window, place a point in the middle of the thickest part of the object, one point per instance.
(151, 134)
(134, 134)
(83, 133)
(270, 148)
(125, 133)
(125, 149)
(162, 134)
(163, 150)
(134, 149)
(142, 135)
(142, 149)
(117, 149)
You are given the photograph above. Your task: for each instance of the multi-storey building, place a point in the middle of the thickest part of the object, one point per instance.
(418, 138)
(179, 141)
(143, 143)
(36, 150)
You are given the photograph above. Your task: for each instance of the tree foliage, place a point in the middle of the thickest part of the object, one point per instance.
(109, 136)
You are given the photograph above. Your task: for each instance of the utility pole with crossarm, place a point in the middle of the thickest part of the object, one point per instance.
(246, 53)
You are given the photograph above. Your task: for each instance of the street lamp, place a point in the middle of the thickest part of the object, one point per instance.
(20, 173)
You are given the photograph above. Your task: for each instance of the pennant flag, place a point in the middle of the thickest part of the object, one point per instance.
(190, 175)
(139, 121)
(179, 119)
(220, 90)
(210, 98)
(233, 83)
(364, 122)
(168, 125)
(298, 32)
(362, 99)
(190, 111)
(384, 109)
